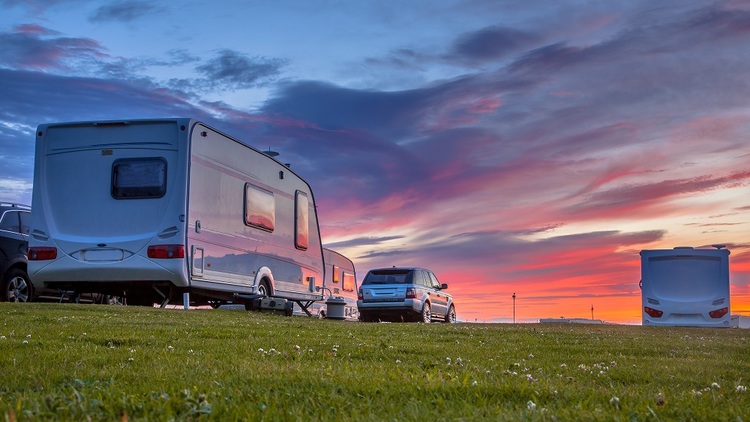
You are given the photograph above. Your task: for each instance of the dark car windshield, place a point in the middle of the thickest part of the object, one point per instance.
(388, 277)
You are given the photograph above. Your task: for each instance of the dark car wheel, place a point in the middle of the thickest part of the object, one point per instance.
(426, 315)
(450, 317)
(16, 286)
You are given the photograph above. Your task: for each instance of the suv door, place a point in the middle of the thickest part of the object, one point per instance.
(438, 298)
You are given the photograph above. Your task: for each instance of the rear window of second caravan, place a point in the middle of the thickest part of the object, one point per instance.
(137, 178)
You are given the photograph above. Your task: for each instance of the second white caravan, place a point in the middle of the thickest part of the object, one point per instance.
(685, 287)
(153, 209)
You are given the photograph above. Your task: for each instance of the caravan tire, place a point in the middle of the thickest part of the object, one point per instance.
(263, 288)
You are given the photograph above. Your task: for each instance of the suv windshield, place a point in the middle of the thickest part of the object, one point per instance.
(388, 277)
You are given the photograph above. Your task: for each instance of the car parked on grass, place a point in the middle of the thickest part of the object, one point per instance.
(14, 243)
(404, 294)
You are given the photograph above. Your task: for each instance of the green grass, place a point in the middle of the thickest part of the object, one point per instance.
(78, 362)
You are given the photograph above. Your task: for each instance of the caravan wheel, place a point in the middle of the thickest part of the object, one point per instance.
(263, 288)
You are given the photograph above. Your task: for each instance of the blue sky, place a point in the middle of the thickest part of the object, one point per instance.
(531, 147)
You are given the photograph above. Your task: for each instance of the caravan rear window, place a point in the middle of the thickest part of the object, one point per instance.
(137, 178)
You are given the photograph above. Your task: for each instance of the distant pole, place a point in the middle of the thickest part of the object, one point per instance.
(514, 307)
(592, 311)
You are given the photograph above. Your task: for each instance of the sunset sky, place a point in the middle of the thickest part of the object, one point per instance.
(510, 146)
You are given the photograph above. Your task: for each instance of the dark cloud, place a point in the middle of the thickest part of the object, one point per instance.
(234, 70)
(490, 44)
(123, 11)
(36, 47)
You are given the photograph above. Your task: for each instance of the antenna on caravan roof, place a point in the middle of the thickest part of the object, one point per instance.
(719, 246)
(270, 153)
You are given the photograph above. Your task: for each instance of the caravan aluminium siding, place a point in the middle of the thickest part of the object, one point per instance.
(244, 216)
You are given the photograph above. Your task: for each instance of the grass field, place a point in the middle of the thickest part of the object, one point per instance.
(78, 362)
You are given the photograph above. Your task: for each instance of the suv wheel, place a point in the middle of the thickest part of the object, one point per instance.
(16, 286)
(426, 315)
(450, 317)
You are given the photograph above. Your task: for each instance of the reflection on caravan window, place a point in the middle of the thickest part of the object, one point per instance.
(136, 178)
(301, 226)
(348, 282)
(260, 208)
(335, 274)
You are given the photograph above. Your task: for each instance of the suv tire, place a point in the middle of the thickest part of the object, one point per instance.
(426, 315)
(16, 286)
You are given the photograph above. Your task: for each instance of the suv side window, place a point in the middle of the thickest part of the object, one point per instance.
(434, 282)
(423, 279)
(25, 219)
(10, 222)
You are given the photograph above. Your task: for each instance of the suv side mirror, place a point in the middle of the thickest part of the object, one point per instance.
(443, 286)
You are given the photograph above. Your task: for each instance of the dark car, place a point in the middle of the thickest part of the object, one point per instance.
(14, 243)
(15, 285)
(404, 294)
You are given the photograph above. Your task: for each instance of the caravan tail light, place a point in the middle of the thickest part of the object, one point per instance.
(653, 313)
(42, 253)
(166, 251)
(360, 296)
(411, 293)
(718, 313)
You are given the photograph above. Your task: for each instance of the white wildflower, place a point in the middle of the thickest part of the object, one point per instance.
(615, 402)
(2, 337)
(260, 350)
(28, 335)
(398, 361)
(530, 405)
(296, 347)
(741, 388)
(715, 385)
(474, 384)
(25, 342)
(563, 366)
(531, 356)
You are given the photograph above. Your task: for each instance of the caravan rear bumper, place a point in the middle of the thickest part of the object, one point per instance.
(135, 268)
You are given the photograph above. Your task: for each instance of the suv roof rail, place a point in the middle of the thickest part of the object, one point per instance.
(14, 205)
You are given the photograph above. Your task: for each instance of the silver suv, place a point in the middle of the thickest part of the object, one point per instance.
(403, 294)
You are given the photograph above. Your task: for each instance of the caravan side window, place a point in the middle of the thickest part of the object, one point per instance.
(139, 178)
(301, 225)
(348, 282)
(260, 208)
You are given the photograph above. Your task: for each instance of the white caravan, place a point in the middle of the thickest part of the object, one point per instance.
(169, 211)
(340, 280)
(685, 287)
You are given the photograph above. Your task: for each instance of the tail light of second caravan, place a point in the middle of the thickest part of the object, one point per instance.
(653, 313)
(42, 253)
(166, 251)
(718, 313)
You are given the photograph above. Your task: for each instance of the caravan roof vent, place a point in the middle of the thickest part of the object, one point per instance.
(719, 246)
(683, 247)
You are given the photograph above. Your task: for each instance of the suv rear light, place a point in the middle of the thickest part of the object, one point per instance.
(42, 253)
(718, 313)
(411, 293)
(653, 313)
(166, 251)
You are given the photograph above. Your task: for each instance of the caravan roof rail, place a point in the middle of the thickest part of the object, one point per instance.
(14, 205)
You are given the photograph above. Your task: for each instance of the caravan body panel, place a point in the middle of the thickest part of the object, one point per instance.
(133, 205)
(685, 287)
